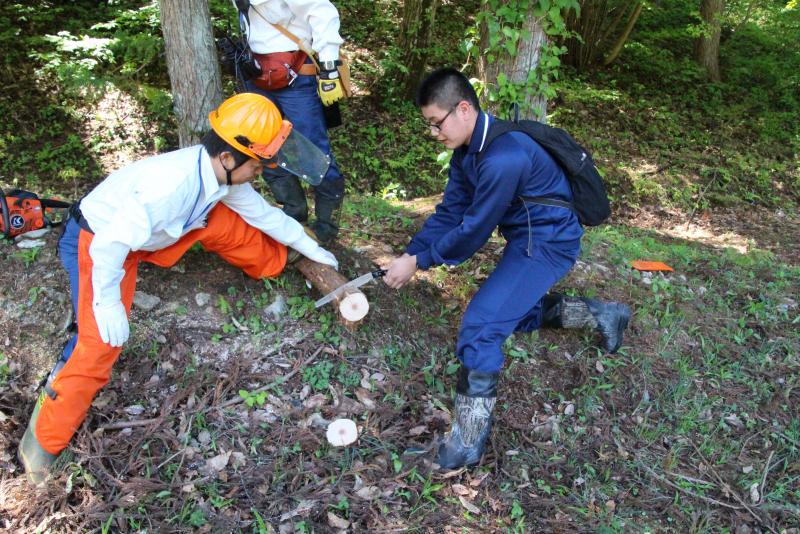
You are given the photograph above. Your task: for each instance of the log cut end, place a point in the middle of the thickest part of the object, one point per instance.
(354, 307)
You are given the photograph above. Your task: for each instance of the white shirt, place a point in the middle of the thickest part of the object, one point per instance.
(314, 22)
(152, 203)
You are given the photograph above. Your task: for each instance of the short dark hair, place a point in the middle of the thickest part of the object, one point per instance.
(446, 87)
(215, 145)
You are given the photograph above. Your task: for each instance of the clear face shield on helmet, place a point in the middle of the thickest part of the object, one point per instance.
(293, 152)
(302, 158)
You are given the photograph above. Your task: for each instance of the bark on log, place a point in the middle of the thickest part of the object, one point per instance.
(352, 304)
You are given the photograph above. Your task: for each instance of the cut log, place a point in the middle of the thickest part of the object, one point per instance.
(353, 304)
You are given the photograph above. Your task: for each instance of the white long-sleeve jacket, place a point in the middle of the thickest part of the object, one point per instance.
(152, 203)
(315, 22)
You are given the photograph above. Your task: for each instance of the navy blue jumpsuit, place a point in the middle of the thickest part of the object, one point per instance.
(543, 242)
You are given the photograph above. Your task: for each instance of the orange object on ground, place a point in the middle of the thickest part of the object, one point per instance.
(89, 367)
(640, 265)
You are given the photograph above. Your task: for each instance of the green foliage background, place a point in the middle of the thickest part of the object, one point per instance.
(713, 144)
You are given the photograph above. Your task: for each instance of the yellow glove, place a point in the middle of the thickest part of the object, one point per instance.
(329, 84)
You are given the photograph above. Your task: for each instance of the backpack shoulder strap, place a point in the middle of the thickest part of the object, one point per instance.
(534, 129)
(498, 128)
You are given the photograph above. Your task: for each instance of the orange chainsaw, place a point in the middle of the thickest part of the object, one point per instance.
(23, 211)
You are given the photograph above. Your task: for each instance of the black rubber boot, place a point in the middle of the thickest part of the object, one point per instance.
(328, 197)
(476, 394)
(34, 459)
(290, 194)
(609, 318)
(551, 310)
(612, 320)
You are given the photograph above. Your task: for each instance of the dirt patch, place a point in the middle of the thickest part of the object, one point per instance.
(744, 230)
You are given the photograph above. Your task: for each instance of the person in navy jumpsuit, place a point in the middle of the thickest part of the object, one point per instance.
(484, 191)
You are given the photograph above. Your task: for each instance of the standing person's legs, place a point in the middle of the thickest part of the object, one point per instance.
(511, 292)
(300, 104)
(33, 457)
(286, 188)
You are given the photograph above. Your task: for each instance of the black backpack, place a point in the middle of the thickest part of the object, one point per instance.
(590, 200)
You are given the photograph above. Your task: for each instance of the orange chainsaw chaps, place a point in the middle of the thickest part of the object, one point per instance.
(235, 241)
(89, 367)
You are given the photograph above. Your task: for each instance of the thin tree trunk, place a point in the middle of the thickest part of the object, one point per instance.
(519, 67)
(617, 48)
(192, 65)
(590, 23)
(707, 46)
(419, 17)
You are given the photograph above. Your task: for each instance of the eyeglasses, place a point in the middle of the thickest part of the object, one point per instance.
(436, 127)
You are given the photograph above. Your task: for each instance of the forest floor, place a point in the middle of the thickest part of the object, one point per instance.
(692, 427)
(215, 416)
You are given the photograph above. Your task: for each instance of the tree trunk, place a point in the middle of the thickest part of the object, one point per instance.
(707, 46)
(192, 65)
(591, 25)
(617, 48)
(519, 67)
(419, 17)
(602, 28)
(352, 304)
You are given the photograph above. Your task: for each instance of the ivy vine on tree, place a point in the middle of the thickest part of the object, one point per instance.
(514, 43)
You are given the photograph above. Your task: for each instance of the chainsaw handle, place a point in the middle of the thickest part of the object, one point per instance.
(6, 233)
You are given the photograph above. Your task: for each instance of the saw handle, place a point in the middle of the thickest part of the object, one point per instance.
(378, 273)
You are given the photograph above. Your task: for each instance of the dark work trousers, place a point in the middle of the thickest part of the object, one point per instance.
(300, 104)
(511, 300)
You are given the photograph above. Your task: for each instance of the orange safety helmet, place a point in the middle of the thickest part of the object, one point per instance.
(254, 117)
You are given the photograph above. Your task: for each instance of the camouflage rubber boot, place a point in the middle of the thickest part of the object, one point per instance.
(476, 394)
(32, 456)
(610, 319)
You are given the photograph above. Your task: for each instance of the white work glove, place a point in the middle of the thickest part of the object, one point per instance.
(311, 250)
(323, 256)
(112, 322)
(107, 273)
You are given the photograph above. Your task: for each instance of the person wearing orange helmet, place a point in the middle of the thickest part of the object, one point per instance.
(153, 211)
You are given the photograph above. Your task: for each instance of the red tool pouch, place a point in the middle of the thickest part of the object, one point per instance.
(278, 69)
